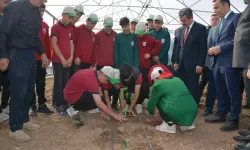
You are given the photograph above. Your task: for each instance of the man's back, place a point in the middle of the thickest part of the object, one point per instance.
(241, 56)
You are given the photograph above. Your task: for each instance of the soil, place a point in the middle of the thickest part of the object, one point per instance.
(57, 133)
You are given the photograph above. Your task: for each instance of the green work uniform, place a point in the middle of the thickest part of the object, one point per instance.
(162, 36)
(174, 100)
(126, 50)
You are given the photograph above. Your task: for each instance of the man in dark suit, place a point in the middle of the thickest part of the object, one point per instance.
(241, 57)
(191, 53)
(207, 74)
(227, 79)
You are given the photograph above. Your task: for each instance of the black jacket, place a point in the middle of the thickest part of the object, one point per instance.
(20, 27)
(241, 53)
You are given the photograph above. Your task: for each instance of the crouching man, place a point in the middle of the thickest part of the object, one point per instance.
(82, 92)
(174, 101)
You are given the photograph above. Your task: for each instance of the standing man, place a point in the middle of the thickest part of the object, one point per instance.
(41, 72)
(133, 24)
(104, 45)
(150, 21)
(191, 54)
(79, 12)
(162, 36)
(227, 79)
(84, 39)
(207, 73)
(19, 39)
(62, 58)
(4, 76)
(241, 52)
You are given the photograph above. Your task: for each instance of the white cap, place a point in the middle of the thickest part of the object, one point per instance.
(155, 73)
(140, 28)
(70, 11)
(134, 20)
(112, 74)
(108, 21)
(150, 17)
(93, 17)
(79, 9)
(158, 18)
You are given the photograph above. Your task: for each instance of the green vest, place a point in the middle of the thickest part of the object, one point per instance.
(126, 50)
(173, 98)
(162, 36)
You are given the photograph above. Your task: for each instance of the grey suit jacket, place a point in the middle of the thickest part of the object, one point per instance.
(211, 43)
(241, 53)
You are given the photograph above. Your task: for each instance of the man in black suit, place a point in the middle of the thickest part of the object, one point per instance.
(192, 51)
(241, 57)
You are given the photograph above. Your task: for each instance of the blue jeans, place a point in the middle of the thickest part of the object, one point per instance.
(22, 78)
(61, 77)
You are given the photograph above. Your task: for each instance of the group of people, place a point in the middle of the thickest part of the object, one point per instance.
(137, 67)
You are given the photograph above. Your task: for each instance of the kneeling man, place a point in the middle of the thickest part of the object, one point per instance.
(174, 101)
(83, 93)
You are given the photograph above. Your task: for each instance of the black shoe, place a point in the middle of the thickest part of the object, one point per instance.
(215, 119)
(244, 132)
(242, 139)
(231, 125)
(207, 113)
(239, 147)
(33, 111)
(246, 106)
(61, 110)
(44, 109)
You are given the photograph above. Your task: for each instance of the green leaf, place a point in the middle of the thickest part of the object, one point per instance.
(125, 143)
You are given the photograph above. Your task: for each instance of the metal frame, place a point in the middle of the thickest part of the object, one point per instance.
(145, 5)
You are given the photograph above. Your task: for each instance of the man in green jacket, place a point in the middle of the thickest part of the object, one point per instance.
(163, 36)
(176, 107)
(125, 50)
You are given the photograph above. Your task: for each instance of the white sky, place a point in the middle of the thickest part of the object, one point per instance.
(121, 8)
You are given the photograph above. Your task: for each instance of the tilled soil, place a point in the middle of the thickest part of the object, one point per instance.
(57, 133)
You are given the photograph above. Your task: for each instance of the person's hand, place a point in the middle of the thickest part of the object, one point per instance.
(65, 63)
(176, 67)
(119, 117)
(210, 51)
(215, 50)
(131, 111)
(199, 69)
(45, 61)
(70, 60)
(77, 61)
(4, 63)
(248, 73)
(147, 56)
(156, 59)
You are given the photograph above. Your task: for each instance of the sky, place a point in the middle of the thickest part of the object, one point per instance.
(134, 8)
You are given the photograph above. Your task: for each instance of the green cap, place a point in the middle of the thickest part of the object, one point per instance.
(79, 9)
(140, 28)
(108, 22)
(93, 17)
(114, 81)
(112, 74)
(70, 11)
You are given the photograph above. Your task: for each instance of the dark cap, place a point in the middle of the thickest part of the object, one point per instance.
(43, 6)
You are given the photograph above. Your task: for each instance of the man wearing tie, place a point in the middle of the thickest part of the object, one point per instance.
(227, 79)
(191, 53)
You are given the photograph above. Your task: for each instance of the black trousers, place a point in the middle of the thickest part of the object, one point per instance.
(61, 77)
(4, 81)
(86, 102)
(115, 93)
(247, 85)
(82, 66)
(191, 80)
(40, 85)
